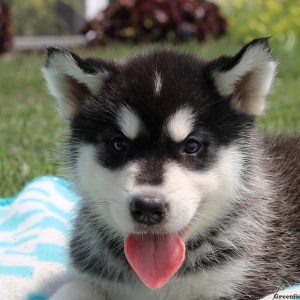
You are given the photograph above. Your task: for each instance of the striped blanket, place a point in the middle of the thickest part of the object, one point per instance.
(34, 230)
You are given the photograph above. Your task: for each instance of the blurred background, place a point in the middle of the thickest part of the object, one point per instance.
(30, 129)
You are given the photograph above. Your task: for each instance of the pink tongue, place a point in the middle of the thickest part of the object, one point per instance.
(155, 259)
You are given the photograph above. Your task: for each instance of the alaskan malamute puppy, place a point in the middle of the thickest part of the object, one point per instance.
(181, 197)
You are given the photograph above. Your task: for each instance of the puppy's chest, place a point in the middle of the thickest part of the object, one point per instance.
(212, 284)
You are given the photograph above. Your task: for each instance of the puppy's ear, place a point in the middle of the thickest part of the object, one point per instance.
(246, 78)
(72, 80)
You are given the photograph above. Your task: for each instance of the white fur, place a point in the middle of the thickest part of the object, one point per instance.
(78, 290)
(157, 83)
(211, 284)
(203, 196)
(106, 190)
(130, 124)
(60, 65)
(180, 124)
(255, 60)
(197, 199)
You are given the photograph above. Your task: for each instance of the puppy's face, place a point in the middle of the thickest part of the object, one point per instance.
(156, 141)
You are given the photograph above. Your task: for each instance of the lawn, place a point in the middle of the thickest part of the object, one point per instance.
(30, 129)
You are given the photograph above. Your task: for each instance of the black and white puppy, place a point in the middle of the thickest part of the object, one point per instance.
(181, 197)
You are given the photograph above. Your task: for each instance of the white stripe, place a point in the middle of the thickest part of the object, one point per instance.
(129, 122)
(157, 83)
(181, 124)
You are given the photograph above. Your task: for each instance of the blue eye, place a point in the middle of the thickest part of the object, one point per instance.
(119, 144)
(192, 146)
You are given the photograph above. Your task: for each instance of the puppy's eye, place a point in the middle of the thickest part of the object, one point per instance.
(119, 144)
(192, 146)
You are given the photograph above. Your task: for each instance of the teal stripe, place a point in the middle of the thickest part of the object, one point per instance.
(38, 190)
(6, 201)
(18, 242)
(16, 220)
(18, 252)
(291, 288)
(50, 206)
(50, 223)
(37, 297)
(44, 252)
(18, 271)
(51, 253)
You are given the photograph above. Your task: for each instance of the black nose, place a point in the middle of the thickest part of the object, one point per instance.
(148, 210)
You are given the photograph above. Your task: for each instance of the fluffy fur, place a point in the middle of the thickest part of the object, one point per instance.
(235, 201)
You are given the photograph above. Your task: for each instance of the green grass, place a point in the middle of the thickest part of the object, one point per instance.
(30, 129)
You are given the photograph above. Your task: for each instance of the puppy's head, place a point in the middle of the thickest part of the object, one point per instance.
(156, 141)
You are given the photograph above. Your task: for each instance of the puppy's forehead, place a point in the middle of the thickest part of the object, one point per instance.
(158, 95)
(178, 125)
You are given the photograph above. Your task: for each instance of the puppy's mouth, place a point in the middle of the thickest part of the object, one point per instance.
(158, 230)
(155, 256)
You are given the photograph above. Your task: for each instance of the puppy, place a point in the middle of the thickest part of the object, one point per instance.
(181, 197)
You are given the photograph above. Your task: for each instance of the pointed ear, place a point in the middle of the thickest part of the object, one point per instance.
(72, 80)
(247, 77)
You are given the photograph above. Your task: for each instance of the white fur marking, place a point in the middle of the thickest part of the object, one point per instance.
(129, 122)
(76, 290)
(181, 124)
(157, 83)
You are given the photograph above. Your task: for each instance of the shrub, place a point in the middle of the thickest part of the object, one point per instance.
(156, 20)
(45, 17)
(5, 28)
(249, 19)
